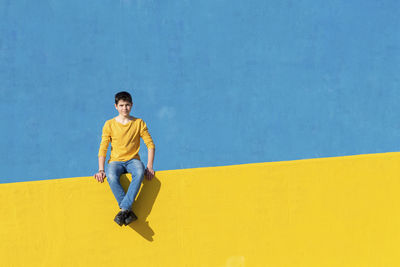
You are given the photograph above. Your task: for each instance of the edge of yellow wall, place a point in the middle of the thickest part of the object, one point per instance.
(339, 211)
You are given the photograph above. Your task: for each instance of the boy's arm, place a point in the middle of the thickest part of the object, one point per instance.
(100, 175)
(144, 133)
(102, 161)
(105, 140)
(150, 160)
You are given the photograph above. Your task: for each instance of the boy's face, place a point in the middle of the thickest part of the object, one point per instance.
(123, 107)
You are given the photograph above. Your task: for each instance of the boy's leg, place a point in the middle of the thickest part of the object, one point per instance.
(136, 168)
(114, 171)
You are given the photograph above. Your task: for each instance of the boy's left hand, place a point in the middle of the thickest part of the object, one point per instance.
(149, 173)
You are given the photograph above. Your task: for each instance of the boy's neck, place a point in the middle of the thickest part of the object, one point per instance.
(122, 118)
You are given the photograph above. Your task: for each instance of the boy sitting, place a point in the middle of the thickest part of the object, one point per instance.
(124, 132)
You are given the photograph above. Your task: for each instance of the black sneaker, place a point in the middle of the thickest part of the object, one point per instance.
(120, 217)
(130, 217)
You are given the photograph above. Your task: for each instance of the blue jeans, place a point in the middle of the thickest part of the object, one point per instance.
(114, 171)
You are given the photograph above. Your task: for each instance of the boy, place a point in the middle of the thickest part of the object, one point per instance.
(124, 132)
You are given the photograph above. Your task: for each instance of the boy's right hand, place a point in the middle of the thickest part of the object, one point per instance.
(100, 176)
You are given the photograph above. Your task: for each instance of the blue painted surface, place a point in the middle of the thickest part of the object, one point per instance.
(218, 82)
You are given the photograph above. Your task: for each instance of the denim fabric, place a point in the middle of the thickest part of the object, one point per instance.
(114, 171)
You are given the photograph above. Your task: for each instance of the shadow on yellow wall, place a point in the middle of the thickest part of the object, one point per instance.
(143, 204)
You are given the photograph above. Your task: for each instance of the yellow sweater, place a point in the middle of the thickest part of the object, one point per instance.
(125, 139)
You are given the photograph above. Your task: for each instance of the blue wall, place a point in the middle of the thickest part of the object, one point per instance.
(218, 82)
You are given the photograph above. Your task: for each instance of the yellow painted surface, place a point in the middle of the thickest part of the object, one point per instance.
(320, 212)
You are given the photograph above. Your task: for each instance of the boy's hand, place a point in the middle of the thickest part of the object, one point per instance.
(100, 176)
(149, 173)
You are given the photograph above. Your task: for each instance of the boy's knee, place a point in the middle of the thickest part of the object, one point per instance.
(112, 178)
(138, 173)
(141, 173)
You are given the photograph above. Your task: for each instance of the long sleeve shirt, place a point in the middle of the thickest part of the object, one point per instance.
(125, 139)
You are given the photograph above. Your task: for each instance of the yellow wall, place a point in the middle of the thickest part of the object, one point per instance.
(319, 212)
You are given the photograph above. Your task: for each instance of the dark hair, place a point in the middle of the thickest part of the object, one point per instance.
(123, 96)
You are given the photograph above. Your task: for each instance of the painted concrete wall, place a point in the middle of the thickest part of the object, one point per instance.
(218, 82)
(319, 212)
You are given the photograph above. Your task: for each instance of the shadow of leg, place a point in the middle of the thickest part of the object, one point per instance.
(143, 204)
